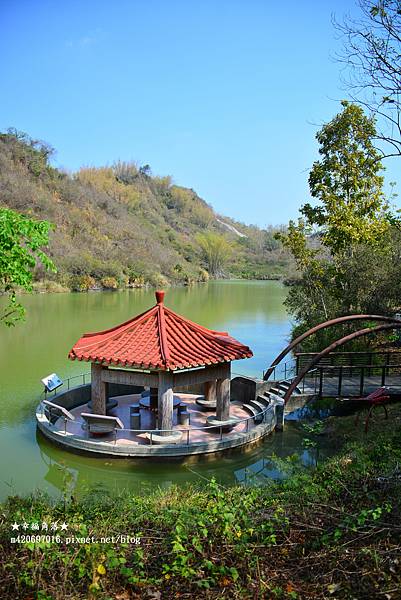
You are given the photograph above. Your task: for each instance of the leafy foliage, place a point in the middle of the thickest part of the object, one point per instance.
(21, 240)
(226, 542)
(216, 251)
(347, 183)
(346, 246)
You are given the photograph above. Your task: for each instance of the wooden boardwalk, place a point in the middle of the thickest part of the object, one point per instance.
(350, 386)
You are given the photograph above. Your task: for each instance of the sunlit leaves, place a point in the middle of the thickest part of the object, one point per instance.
(21, 240)
(348, 183)
(216, 250)
(350, 216)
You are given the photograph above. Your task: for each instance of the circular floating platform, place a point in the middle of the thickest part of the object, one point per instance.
(198, 438)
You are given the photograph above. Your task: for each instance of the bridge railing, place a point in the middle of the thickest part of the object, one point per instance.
(360, 375)
(349, 360)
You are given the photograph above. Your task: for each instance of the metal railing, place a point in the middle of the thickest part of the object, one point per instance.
(66, 385)
(86, 378)
(359, 372)
(305, 381)
(351, 359)
(283, 371)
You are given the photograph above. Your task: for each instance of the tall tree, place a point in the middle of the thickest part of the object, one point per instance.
(216, 251)
(351, 214)
(371, 53)
(347, 182)
(21, 240)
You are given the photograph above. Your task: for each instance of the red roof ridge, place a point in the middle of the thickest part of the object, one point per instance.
(163, 333)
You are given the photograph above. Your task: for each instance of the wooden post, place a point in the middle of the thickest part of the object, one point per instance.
(153, 398)
(340, 381)
(320, 382)
(223, 395)
(210, 390)
(165, 402)
(362, 381)
(98, 390)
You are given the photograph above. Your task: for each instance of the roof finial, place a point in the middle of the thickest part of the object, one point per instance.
(159, 296)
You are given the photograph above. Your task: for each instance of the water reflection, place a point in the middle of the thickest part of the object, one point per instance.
(277, 458)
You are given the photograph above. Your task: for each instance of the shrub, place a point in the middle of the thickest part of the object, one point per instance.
(82, 283)
(109, 283)
(203, 275)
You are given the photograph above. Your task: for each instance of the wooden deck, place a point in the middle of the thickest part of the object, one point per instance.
(197, 420)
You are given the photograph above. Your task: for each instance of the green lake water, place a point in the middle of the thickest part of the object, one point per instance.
(252, 311)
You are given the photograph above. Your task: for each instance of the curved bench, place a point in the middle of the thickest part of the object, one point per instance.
(224, 425)
(206, 404)
(156, 438)
(101, 424)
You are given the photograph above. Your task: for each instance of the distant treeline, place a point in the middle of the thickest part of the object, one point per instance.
(119, 225)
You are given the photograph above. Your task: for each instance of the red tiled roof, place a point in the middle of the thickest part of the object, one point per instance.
(159, 339)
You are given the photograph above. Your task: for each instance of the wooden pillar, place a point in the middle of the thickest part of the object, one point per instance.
(98, 391)
(153, 398)
(210, 390)
(165, 401)
(223, 395)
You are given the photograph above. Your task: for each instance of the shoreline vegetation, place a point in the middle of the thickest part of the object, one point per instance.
(211, 541)
(121, 226)
(49, 286)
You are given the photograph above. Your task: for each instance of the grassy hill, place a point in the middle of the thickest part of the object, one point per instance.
(119, 225)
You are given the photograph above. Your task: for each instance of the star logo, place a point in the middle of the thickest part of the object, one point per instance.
(63, 526)
(15, 526)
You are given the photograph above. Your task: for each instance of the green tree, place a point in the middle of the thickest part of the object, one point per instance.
(347, 182)
(216, 251)
(351, 217)
(21, 240)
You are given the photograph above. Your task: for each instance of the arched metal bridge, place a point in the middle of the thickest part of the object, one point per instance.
(364, 376)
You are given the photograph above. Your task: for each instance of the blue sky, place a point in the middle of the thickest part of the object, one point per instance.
(223, 95)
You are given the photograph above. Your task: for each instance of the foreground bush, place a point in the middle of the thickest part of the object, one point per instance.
(329, 533)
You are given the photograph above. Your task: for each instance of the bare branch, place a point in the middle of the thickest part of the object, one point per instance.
(371, 56)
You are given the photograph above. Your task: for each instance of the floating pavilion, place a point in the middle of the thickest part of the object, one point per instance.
(165, 350)
(153, 360)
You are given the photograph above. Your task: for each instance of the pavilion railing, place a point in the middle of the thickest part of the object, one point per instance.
(82, 379)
